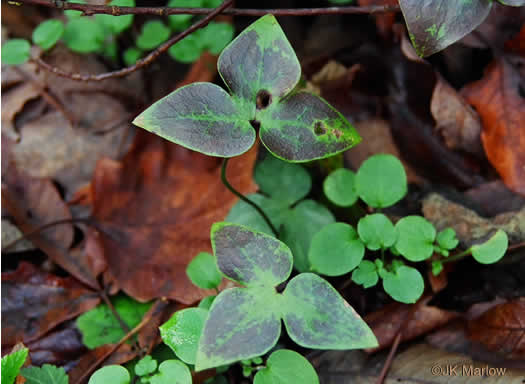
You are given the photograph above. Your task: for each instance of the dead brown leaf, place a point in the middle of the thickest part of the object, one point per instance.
(384, 21)
(502, 109)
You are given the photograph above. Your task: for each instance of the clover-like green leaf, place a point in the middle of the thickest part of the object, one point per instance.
(405, 284)
(435, 24)
(48, 33)
(304, 127)
(248, 257)
(282, 180)
(117, 24)
(84, 35)
(242, 323)
(285, 366)
(447, 239)
(260, 59)
(146, 366)
(11, 365)
(203, 272)
(415, 238)
(15, 51)
(381, 181)
(114, 374)
(336, 250)
(339, 187)
(316, 316)
(299, 227)
(365, 274)
(492, 250)
(376, 231)
(202, 117)
(153, 33)
(172, 372)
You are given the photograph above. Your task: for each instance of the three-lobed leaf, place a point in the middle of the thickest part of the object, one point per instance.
(146, 366)
(376, 231)
(415, 238)
(405, 284)
(203, 272)
(365, 274)
(48, 33)
(492, 250)
(447, 239)
(286, 366)
(11, 365)
(339, 187)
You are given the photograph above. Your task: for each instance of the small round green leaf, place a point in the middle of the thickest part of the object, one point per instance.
(180, 22)
(282, 181)
(114, 374)
(146, 366)
(415, 238)
(437, 267)
(381, 181)
(216, 36)
(284, 367)
(117, 24)
(405, 285)
(172, 372)
(182, 332)
(15, 51)
(203, 271)
(84, 35)
(376, 231)
(48, 33)
(74, 14)
(492, 250)
(447, 239)
(335, 250)
(339, 187)
(365, 274)
(153, 33)
(187, 50)
(131, 55)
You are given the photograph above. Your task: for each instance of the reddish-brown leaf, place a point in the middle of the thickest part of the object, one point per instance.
(34, 302)
(155, 210)
(501, 329)
(502, 109)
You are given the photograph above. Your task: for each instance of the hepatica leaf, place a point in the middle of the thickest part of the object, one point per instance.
(336, 250)
(415, 239)
(435, 24)
(11, 365)
(339, 187)
(203, 272)
(182, 332)
(286, 366)
(492, 250)
(376, 231)
(304, 127)
(202, 117)
(405, 284)
(316, 316)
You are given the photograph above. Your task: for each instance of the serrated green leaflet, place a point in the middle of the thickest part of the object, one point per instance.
(172, 372)
(299, 227)
(182, 332)
(281, 180)
(284, 367)
(11, 365)
(248, 257)
(316, 316)
(147, 365)
(48, 33)
(365, 274)
(46, 374)
(203, 272)
(447, 239)
(415, 238)
(15, 51)
(381, 181)
(376, 231)
(335, 250)
(339, 187)
(492, 250)
(84, 35)
(114, 374)
(405, 284)
(435, 24)
(304, 127)
(202, 117)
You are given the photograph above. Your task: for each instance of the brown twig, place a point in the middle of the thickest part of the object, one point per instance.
(90, 9)
(140, 63)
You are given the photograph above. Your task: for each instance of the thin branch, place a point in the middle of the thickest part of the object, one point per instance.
(90, 9)
(140, 63)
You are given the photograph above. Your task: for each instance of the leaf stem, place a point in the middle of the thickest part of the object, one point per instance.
(457, 256)
(245, 199)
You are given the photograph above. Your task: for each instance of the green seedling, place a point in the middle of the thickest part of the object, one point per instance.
(285, 366)
(169, 372)
(11, 365)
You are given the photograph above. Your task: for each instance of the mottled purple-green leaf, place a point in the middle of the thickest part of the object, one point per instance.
(316, 316)
(513, 3)
(304, 127)
(242, 323)
(260, 59)
(248, 257)
(435, 24)
(202, 117)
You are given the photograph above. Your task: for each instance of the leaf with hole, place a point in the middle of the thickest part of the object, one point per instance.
(146, 366)
(286, 366)
(46, 374)
(182, 332)
(339, 187)
(300, 226)
(15, 51)
(281, 180)
(492, 250)
(381, 181)
(48, 33)
(365, 274)
(415, 238)
(335, 250)
(153, 33)
(114, 374)
(405, 284)
(435, 24)
(172, 372)
(11, 365)
(376, 231)
(447, 239)
(203, 272)
(84, 35)
(117, 24)
(202, 117)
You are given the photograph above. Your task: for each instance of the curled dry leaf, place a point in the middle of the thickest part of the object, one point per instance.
(34, 302)
(501, 106)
